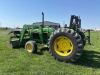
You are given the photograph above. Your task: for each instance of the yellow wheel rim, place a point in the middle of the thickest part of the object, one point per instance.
(63, 46)
(29, 47)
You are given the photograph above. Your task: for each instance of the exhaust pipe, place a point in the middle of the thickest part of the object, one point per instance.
(42, 19)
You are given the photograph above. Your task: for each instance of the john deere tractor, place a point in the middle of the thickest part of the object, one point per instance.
(64, 43)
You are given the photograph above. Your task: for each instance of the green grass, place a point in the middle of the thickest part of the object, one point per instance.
(20, 62)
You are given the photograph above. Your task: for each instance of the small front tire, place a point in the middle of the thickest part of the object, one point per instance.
(31, 46)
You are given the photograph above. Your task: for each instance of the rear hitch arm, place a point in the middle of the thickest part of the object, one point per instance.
(88, 37)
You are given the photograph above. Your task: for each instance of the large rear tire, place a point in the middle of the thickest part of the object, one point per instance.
(65, 45)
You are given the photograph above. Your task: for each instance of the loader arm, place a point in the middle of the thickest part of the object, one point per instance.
(28, 29)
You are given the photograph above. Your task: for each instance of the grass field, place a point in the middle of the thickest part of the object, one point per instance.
(20, 62)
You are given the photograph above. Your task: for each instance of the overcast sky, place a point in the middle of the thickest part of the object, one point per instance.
(16, 13)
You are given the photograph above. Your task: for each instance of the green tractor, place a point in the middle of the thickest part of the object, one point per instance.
(64, 43)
